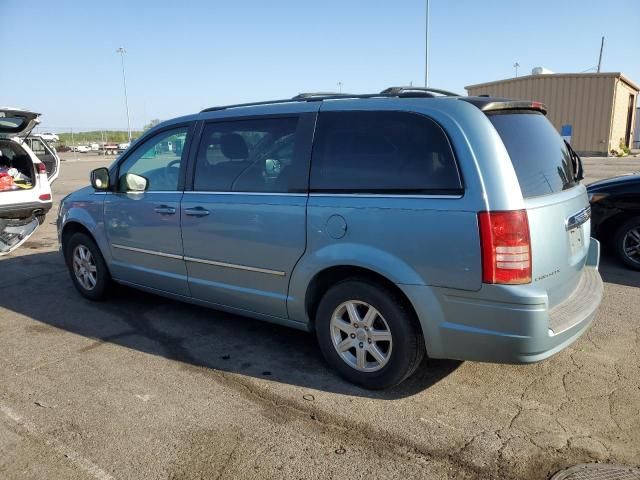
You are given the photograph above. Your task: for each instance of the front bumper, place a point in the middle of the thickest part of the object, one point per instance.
(517, 327)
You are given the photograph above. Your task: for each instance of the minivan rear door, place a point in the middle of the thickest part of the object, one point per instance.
(556, 204)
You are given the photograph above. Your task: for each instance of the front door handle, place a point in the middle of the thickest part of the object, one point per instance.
(165, 210)
(196, 212)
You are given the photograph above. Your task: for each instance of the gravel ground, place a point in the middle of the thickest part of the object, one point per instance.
(144, 387)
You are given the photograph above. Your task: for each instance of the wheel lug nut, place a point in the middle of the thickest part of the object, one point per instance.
(353, 335)
(355, 325)
(369, 340)
(361, 345)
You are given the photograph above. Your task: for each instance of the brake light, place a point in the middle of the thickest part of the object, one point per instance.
(505, 246)
(45, 196)
(42, 168)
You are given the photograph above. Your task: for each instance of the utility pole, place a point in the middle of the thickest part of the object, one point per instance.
(122, 51)
(426, 47)
(600, 57)
(340, 87)
(516, 65)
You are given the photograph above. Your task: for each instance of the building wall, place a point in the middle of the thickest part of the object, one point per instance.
(621, 113)
(585, 102)
(636, 135)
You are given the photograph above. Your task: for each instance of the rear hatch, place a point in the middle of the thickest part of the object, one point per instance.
(17, 122)
(557, 205)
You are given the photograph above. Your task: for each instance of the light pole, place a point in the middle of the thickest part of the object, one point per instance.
(516, 65)
(122, 51)
(340, 87)
(426, 48)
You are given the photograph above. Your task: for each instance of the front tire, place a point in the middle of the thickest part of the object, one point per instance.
(87, 267)
(368, 334)
(627, 243)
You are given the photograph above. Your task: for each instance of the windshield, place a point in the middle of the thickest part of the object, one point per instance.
(540, 157)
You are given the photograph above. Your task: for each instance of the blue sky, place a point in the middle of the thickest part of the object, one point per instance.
(59, 57)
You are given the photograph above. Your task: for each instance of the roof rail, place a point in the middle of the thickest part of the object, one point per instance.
(320, 96)
(412, 91)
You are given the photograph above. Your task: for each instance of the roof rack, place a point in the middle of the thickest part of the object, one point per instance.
(403, 92)
(412, 91)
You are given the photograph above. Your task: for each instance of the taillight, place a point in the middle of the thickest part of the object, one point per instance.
(45, 197)
(42, 168)
(506, 247)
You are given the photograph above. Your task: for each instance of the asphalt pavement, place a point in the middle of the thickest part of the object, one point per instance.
(145, 387)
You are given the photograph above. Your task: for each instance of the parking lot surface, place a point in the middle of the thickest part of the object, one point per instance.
(145, 387)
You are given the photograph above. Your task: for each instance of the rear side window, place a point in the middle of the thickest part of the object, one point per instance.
(539, 155)
(247, 155)
(382, 152)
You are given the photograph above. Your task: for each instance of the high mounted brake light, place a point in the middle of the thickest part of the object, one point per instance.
(505, 246)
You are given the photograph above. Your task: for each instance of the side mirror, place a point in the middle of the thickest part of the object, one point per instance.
(100, 178)
(135, 183)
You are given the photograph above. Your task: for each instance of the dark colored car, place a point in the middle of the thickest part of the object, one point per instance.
(615, 210)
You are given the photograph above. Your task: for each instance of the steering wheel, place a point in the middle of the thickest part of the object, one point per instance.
(171, 173)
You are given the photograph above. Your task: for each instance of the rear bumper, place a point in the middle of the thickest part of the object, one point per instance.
(24, 210)
(507, 324)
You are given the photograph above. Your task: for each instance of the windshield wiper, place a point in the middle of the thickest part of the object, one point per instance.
(577, 163)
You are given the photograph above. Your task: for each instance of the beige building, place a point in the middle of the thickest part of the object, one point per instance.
(600, 108)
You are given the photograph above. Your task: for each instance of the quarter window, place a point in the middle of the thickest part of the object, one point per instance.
(382, 152)
(247, 155)
(158, 160)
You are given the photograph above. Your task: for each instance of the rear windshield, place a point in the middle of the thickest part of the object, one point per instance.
(539, 155)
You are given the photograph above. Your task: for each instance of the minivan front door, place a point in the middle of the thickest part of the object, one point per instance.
(243, 226)
(143, 227)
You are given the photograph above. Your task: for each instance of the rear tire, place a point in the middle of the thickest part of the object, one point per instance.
(87, 267)
(627, 243)
(368, 334)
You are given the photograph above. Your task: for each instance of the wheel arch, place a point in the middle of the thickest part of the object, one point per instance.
(74, 226)
(323, 280)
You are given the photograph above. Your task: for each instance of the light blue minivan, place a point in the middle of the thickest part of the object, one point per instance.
(394, 225)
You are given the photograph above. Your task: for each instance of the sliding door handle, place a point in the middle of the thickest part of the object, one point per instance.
(165, 210)
(196, 212)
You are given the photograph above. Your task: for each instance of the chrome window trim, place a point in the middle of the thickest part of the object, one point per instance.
(382, 195)
(257, 194)
(149, 252)
(235, 266)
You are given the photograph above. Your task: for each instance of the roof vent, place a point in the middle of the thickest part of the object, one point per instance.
(540, 71)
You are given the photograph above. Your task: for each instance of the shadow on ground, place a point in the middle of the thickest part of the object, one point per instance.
(38, 286)
(614, 271)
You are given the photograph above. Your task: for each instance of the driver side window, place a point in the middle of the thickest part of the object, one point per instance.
(158, 160)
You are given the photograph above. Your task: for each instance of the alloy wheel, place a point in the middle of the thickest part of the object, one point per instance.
(361, 336)
(631, 244)
(84, 267)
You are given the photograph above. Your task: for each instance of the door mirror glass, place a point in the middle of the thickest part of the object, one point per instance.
(135, 183)
(100, 178)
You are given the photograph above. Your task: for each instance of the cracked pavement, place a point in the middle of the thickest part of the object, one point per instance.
(144, 387)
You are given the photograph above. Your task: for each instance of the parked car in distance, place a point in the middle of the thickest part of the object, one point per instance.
(615, 207)
(49, 137)
(82, 149)
(46, 153)
(25, 189)
(392, 225)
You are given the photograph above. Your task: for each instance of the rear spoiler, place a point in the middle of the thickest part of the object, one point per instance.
(488, 104)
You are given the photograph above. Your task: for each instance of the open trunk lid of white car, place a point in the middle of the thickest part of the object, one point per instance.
(17, 122)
